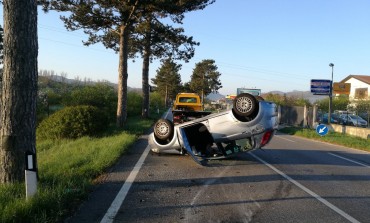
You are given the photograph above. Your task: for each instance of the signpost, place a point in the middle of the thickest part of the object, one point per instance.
(320, 87)
(322, 129)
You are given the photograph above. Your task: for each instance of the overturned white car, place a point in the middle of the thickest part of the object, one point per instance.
(250, 124)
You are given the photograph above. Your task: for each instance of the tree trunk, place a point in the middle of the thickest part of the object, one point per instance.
(122, 77)
(19, 88)
(145, 78)
(145, 86)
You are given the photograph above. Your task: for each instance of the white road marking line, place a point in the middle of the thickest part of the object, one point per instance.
(117, 202)
(313, 194)
(284, 138)
(349, 160)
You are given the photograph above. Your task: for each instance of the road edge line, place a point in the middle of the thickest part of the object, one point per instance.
(117, 202)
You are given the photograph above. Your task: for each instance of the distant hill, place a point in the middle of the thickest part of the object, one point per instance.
(300, 94)
(215, 96)
(77, 82)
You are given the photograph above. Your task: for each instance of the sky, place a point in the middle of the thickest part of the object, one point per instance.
(272, 45)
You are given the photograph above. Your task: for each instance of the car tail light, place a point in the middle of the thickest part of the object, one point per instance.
(266, 138)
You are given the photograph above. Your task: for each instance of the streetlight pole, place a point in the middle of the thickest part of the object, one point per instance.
(331, 93)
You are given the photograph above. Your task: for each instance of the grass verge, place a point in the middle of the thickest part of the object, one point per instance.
(331, 137)
(67, 169)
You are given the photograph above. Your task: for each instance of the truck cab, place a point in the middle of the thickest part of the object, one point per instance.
(186, 107)
(187, 102)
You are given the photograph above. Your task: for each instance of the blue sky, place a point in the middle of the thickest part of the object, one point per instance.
(267, 44)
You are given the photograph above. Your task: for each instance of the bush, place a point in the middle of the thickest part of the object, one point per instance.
(73, 122)
(134, 103)
(156, 101)
(101, 95)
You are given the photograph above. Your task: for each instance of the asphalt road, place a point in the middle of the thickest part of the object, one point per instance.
(291, 180)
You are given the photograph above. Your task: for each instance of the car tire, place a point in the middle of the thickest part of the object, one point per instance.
(163, 129)
(245, 105)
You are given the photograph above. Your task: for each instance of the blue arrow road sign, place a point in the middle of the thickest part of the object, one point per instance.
(322, 129)
(320, 87)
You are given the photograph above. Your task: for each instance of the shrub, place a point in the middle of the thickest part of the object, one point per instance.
(134, 103)
(100, 95)
(156, 101)
(73, 122)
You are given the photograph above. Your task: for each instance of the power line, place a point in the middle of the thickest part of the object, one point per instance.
(54, 29)
(75, 45)
(235, 66)
(221, 64)
(259, 70)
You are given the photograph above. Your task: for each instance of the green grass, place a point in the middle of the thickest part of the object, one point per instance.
(331, 137)
(67, 169)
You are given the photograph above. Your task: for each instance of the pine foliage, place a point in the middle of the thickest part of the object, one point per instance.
(205, 78)
(168, 79)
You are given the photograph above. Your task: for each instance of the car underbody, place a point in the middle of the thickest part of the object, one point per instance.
(249, 125)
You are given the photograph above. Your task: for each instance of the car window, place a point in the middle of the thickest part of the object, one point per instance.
(187, 100)
(335, 116)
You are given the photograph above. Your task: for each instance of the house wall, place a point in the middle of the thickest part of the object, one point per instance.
(357, 84)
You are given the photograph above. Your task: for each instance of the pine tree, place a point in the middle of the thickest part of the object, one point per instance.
(112, 23)
(205, 78)
(1, 46)
(168, 80)
(108, 22)
(156, 40)
(1, 54)
(19, 88)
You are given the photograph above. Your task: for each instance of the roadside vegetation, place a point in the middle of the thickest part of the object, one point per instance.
(67, 169)
(75, 141)
(331, 137)
(73, 149)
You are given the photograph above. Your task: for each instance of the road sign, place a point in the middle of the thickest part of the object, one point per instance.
(341, 88)
(322, 129)
(320, 87)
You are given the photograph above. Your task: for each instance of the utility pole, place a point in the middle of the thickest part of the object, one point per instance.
(331, 94)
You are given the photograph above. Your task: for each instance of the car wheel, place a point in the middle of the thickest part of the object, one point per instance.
(163, 129)
(245, 104)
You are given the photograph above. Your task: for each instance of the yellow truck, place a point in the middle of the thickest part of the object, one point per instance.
(186, 107)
